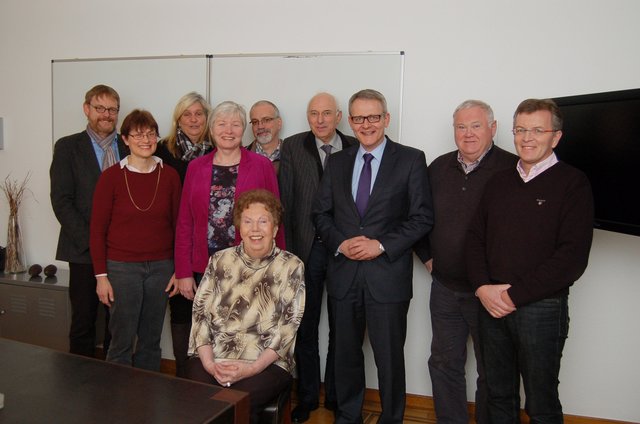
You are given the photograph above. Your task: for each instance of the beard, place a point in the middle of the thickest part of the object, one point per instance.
(265, 137)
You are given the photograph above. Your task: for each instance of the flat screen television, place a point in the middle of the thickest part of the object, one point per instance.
(601, 136)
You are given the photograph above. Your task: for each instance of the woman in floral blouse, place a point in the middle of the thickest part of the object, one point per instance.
(248, 307)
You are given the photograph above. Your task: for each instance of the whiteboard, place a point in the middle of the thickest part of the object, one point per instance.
(291, 80)
(288, 80)
(151, 83)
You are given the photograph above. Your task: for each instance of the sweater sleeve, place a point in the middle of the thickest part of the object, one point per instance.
(184, 226)
(100, 219)
(291, 308)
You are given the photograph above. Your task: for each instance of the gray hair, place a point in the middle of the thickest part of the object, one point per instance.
(228, 108)
(468, 104)
(369, 94)
(266, 102)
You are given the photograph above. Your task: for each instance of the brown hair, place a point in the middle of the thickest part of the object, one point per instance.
(101, 90)
(264, 197)
(137, 120)
(534, 105)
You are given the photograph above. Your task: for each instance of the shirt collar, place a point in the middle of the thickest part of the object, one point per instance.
(125, 163)
(273, 156)
(536, 169)
(468, 167)
(334, 142)
(377, 152)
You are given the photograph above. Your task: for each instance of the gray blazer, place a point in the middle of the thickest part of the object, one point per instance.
(299, 178)
(74, 173)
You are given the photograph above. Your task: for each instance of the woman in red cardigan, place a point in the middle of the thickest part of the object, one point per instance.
(135, 208)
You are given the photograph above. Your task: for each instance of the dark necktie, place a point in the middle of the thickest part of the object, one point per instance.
(327, 151)
(364, 185)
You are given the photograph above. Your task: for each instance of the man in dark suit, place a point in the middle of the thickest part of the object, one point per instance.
(78, 161)
(302, 161)
(373, 204)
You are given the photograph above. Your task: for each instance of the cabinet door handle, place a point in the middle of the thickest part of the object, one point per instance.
(2, 311)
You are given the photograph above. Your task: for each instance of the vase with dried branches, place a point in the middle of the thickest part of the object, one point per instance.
(15, 261)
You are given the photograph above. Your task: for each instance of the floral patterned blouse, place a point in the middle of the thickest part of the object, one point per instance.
(244, 306)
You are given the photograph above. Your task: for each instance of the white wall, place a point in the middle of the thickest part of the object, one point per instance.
(500, 51)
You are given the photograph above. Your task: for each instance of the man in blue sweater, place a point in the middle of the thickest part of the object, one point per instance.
(527, 244)
(457, 181)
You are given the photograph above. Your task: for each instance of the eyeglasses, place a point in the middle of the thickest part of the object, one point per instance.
(151, 136)
(371, 118)
(102, 109)
(263, 121)
(536, 132)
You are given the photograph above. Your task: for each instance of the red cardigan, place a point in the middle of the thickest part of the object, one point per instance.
(191, 251)
(119, 231)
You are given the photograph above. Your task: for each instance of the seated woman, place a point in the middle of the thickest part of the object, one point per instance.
(248, 307)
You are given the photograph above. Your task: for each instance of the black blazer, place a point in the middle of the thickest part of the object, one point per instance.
(399, 213)
(299, 178)
(74, 173)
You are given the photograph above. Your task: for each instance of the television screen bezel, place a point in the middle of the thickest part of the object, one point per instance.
(593, 98)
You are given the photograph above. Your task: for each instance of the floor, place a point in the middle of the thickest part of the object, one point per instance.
(370, 415)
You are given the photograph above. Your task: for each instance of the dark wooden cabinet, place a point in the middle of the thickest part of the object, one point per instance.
(35, 310)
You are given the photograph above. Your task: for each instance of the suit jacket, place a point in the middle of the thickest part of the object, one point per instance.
(74, 173)
(191, 248)
(299, 178)
(399, 213)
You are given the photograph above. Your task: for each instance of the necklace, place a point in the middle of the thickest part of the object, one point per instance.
(126, 181)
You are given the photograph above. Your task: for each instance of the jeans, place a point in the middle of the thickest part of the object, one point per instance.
(527, 342)
(454, 316)
(307, 349)
(138, 310)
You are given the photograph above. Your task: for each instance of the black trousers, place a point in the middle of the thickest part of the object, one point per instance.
(307, 349)
(84, 310)
(263, 388)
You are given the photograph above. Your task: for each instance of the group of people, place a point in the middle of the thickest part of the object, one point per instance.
(241, 242)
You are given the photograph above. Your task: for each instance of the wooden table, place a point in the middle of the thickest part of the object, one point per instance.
(42, 385)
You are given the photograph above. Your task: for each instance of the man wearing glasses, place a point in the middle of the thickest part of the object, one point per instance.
(457, 181)
(304, 157)
(373, 205)
(266, 123)
(78, 161)
(527, 244)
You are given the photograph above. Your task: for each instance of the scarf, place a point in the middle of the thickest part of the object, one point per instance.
(191, 150)
(109, 157)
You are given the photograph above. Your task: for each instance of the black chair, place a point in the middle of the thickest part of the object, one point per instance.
(279, 410)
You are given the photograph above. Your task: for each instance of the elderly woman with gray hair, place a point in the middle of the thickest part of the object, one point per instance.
(212, 185)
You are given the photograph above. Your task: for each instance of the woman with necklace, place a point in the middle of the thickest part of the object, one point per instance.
(135, 208)
(211, 188)
(188, 139)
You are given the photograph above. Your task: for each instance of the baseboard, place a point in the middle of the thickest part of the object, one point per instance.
(423, 406)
